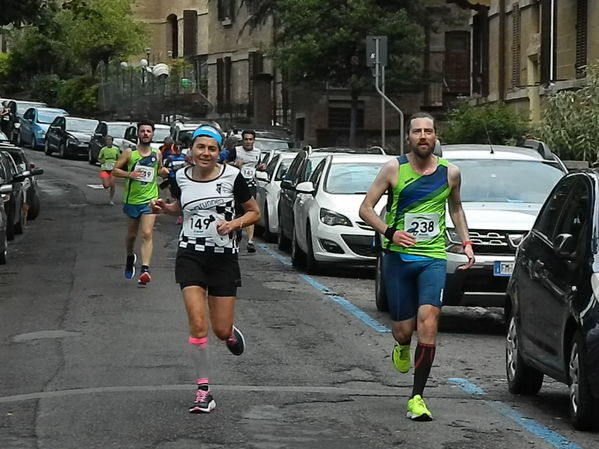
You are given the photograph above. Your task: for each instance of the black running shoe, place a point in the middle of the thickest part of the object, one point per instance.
(251, 247)
(203, 402)
(236, 342)
(130, 266)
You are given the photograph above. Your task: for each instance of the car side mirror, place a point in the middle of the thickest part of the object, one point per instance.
(305, 187)
(37, 171)
(19, 178)
(564, 246)
(286, 184)
(262, 176)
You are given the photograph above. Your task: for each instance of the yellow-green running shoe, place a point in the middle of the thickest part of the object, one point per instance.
(417, 410)
(401, 357)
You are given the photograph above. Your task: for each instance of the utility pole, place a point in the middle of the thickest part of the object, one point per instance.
(376, 57)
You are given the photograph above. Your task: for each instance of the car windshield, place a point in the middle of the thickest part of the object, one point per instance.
(266, 145)
(19, 161)
(312, 163)
(503, 181)
(351, 178)
(22, 107)
(82, 126)
(117, 130)
(160, 134)
(48, 116)
(283, 167)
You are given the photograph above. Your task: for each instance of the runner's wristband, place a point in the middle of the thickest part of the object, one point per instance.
(389, 232)
(466, 243)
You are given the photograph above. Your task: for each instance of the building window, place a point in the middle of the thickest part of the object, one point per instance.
(190, 32)
(339, 117)
(173, 44)
(516, 53)
(547, 41)
(223, 84)
(480, 52)
(226, 11)
(581, 38)
(457, 62)
(255, 66)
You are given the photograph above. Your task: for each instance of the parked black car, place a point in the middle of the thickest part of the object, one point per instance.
(5, 191)
(9, 174)
(115, 129)
(30, 171)
(552, 310)
(70, 136)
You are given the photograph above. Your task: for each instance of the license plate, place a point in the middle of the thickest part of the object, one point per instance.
(503, 268)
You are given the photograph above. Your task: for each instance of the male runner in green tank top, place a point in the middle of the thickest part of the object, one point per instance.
(140, 168)
(414, 264)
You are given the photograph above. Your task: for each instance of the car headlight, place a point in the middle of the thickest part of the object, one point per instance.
(40, 132)
(72, 141)
(453, 242)
(330, 218)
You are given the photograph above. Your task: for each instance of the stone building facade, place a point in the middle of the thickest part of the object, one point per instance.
(525, 49)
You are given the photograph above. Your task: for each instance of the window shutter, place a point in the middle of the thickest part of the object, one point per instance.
(581, 38)
(516, 47)
(219, 82)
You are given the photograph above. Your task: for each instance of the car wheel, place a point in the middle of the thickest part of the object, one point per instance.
(34, 207)
(312, 266)
(522, 379)
(282, 241)
(268, 236)
(581, 404)
(62, 150)
(33, 142)
(380, 292)
(20, 226)
(296, 252)
(10, 228)
(4, 252)
(47, 149)
(20, 142)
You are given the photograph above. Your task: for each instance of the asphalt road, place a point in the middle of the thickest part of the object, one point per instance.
(89, 359)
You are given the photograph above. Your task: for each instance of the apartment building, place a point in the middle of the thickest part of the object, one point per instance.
(229, 67)
(522, 50)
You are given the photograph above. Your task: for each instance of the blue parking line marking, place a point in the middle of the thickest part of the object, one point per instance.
(467, 386)
(539, 430)
(341, 301)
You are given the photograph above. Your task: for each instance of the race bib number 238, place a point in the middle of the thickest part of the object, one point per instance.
(422, 226)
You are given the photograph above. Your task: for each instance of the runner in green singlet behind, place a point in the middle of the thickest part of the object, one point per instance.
(140, 168)
(108, 156)
(420, 185)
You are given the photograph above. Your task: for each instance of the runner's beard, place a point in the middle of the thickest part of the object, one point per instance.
(422, 154)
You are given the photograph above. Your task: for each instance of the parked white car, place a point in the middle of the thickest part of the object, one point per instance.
(327, 226)
(268, 191)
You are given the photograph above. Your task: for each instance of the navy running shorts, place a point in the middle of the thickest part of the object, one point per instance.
(218, 274)
(411, 284)
(135, 211)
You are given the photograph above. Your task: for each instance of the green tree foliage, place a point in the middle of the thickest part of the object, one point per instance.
(570, 122)
(101, 30)
(324, 41)
(72, 38)
(79, 94)
(494, 123)
(19, 12)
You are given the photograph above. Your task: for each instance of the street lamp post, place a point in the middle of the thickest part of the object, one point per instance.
(143, 63)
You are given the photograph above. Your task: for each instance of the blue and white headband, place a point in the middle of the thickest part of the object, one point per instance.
(208, 131)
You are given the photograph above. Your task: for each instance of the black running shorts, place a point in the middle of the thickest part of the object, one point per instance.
(217, 273)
